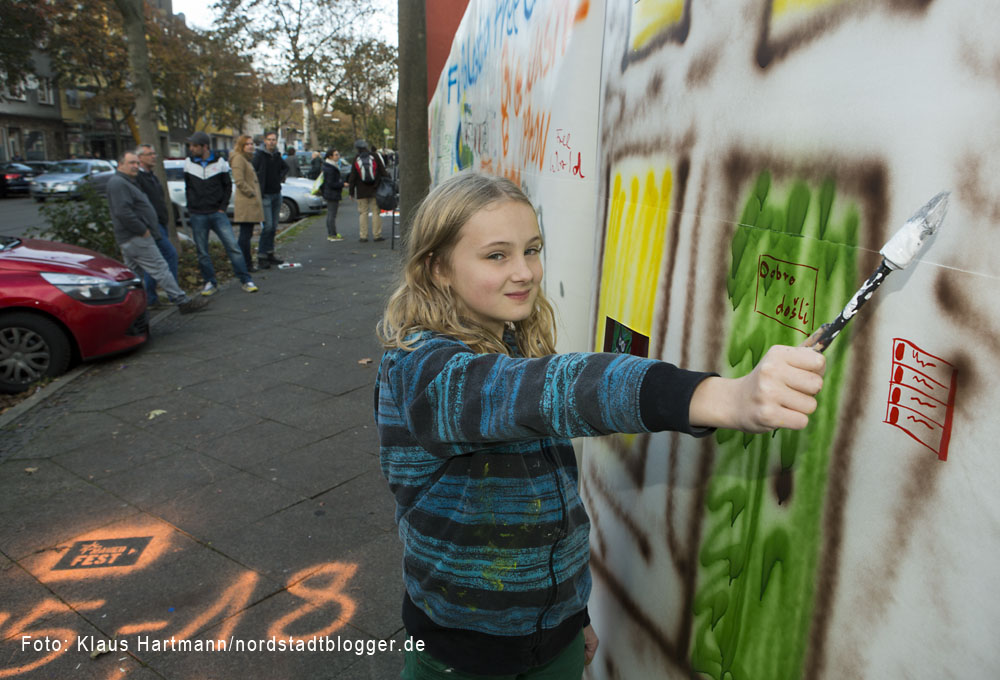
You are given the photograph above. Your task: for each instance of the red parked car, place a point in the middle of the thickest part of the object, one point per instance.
(60, 304)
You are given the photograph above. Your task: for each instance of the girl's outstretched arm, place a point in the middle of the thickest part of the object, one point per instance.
(779, 392)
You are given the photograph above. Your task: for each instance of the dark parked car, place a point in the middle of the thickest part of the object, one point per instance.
(60, 304)
(18, 176)
(66, 179)
(41, 167)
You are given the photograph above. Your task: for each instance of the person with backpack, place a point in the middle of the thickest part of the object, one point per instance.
(366, 171)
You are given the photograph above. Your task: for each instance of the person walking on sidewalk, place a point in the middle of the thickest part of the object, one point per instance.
(151, 186)
(135, 221)
(208, 186)
(291, 159)
(271, 172)
(366, 171)
(315, 165)
(475, 412)
(248, 209)
(333, 190)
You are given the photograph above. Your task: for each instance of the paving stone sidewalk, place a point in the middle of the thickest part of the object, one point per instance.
(219, 484)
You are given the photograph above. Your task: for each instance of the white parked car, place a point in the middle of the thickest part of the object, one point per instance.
(296, 199)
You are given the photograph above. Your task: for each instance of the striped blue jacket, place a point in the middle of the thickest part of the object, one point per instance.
(476, 450)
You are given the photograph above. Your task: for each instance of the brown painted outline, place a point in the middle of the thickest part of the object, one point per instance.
(775, 48)
(868, 179)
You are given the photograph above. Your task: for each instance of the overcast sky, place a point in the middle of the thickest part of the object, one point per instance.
(198, 14)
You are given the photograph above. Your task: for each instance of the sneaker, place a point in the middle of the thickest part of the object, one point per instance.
(250, 287)
(209, 289)
(335, 237)
(363, 240)
(191, 305)
(274, 260)
(379, 239)
(263, 264)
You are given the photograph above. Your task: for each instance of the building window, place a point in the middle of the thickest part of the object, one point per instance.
(45, 95)
(16, 91)
(34, 145)
(73, 99)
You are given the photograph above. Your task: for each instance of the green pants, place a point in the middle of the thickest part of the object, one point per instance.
(567, 666)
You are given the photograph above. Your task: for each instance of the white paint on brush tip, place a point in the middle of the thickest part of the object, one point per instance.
(903, 247)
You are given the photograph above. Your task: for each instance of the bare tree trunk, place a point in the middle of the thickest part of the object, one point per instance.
(138, 59)
(414, 175)
(310, 121)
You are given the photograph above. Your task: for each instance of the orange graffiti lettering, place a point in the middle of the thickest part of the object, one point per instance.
(233, 602)
(134, 628)
(536, 133)
(332, 577)
(65, 637)
(504, 115)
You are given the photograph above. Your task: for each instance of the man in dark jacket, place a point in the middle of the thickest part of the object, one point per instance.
(134, 220)
(271, 171)
(292, 161)
(151, 186)
(363, 188)
(207, 185)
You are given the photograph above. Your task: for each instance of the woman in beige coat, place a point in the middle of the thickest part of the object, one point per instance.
(249, 211)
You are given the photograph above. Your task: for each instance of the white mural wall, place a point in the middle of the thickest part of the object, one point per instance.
(716, 176)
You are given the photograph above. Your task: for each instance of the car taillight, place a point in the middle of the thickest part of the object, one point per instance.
(12, 175)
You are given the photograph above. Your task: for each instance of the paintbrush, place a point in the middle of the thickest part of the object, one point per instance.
(897, 253)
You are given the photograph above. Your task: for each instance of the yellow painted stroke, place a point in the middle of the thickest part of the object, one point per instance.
(633, 251)
(650, 17)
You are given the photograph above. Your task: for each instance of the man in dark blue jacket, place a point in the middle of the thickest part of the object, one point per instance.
(271, 172)
(151, 186)
(208, 186)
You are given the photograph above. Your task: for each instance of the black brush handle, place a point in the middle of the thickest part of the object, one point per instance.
(825, 334)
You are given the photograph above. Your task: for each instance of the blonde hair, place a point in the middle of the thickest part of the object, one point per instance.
(241, 141)
(420, 303)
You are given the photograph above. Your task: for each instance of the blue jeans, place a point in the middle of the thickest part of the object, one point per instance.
(246, 235)
(169, 254)
(272, 209)
(219, 223)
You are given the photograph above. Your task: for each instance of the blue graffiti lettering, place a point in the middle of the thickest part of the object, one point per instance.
(488, 35)
(452, 80)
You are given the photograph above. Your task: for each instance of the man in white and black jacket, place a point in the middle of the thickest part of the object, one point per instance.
(208, 186)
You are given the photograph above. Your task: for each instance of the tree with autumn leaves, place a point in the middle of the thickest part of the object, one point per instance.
(315, 51)
(22, 29)
(193, 73)
(97, 68)
(324, 50)
(199, 79)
